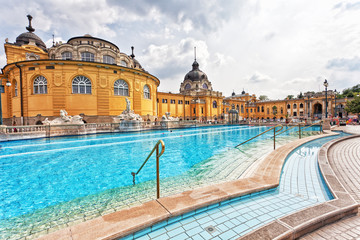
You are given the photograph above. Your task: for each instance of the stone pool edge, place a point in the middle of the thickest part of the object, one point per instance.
(128, 221)
(309, 219)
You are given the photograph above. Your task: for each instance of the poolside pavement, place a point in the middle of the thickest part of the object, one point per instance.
(344, 158)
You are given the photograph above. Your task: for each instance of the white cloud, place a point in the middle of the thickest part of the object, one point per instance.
(272, 48)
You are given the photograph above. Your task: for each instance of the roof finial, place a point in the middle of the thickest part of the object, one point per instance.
(195, 53)
(53, 40)
(132, 52)
(30, 28)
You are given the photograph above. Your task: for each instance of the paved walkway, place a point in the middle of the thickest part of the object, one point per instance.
(344, 158)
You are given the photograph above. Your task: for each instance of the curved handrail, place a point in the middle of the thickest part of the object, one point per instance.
(273, 128)
(157, 155)
(287, 129)
(320, 122)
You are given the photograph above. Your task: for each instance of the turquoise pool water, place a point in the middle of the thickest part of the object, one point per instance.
(301, 185)
(40, 173)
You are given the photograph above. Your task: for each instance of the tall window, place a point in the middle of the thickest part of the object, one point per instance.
(146, 92)
(294, 105)
(262, 108)
(205, 86)
(87, 56)
(123, 63)
(40, 85)
(214, 104)
(121, 88)
(15, 88)
(66, 56)
(288, 106)
(301, 105)
(108, 59)
(81, 84)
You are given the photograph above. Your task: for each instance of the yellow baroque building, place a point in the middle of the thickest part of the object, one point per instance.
(87, 76)
(91, 77)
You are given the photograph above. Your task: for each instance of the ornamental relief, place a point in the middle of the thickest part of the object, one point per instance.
(58, 80)
(32, 56)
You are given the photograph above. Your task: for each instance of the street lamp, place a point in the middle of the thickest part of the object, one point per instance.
(8, 84)
(326, 84)
(335, 103)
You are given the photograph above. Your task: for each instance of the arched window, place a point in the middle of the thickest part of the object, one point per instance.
(214, 104)
(288, 106)
(258, 109)
(81, 85)
(205, 86)
(301, 105)
(146, 92)
(242, 108)
(237, 107)
(187, 86)
(268, 111)
(294, 105)
(281, 110)
(66, 55)
(108, 59)
(262, 108)
(87, 56)
(15, 88)
(40, 85)
(123, 63)
(121, 88)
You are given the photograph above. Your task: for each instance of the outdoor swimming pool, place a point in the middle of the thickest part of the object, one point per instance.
(41, 175)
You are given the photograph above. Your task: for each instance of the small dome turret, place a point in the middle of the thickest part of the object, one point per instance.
(30, 37)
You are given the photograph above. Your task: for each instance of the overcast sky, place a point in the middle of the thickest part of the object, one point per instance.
(272, 48)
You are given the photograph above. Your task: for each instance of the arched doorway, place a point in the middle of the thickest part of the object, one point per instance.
(317, 110)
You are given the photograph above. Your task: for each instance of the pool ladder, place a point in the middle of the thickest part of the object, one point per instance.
(278, 132)
(158, 155)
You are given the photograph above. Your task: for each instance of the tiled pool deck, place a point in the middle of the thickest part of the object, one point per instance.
(344, 158)
(265, 176)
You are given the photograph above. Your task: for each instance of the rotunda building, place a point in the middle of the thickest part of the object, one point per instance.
(85, 76)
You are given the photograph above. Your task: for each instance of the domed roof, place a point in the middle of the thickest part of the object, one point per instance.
(24, 38)
(195, 74)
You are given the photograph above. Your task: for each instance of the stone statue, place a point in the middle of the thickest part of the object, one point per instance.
(128, 104)
(64, 119)
(64, 116)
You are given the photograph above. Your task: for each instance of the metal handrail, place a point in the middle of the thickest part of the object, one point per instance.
(320, 122)
(287, 129)
(158, 155)
(273, 128)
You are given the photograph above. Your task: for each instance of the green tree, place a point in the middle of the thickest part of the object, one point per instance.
(353, 106)
(263, 97)
(290, 96)
(274, 110)
(300, 96)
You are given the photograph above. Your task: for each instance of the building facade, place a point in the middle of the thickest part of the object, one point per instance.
(91, 77)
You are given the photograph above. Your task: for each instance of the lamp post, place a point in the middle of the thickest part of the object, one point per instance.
(326, 84)
(335, 103)
(8, 84)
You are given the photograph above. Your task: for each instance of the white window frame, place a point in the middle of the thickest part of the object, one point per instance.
(81, 85)
(121, 88)
(40, 85)
(147, 92)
